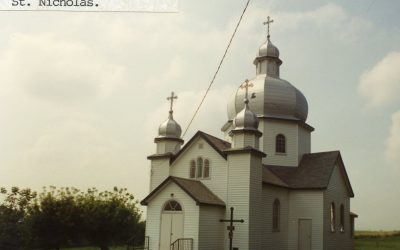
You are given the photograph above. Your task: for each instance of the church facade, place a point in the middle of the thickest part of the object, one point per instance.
(288, 197)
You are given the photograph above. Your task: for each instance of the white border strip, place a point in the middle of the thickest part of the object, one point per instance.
(90, 5)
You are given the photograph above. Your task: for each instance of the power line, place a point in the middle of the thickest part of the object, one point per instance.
(219, 66)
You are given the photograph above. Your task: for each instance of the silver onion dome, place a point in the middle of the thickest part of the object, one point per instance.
(245, 119)
(170, 128)
(272, 97)
(268, 49)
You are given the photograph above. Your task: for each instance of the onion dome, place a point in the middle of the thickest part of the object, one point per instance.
(268, 49)
(245, 119)
(170, 128)
(272, 97)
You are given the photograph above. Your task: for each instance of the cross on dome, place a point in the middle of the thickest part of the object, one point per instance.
(171, 99)
(246, 85)
(268, 22)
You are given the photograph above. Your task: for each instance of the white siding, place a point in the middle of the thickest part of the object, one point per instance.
(304, 142)
(217, 182)
(271, 129)
(242, 140)
(168, 146)
(211, 231)
(275, 240)
(190, 213)
(244, 194)
(306, 204)
(159, 172)
(337, 193)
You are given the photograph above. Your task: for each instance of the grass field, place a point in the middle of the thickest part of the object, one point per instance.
(364, 240)
(377, 240)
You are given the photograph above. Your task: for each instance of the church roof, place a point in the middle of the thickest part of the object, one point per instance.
(218, 144)
(313, 172)
(195, 189)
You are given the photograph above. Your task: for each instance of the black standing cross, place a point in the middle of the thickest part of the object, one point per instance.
(231, 228)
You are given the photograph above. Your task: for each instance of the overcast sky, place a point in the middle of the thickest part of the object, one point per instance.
(82, 94)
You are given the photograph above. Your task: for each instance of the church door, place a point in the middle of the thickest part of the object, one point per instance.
(171, 224)
(305, 234)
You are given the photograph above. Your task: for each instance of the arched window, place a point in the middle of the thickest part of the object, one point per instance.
(172, 205)
(341, 218)
(276, 211)
(333, 217)
(206, 168)
(192, 169)
(199, 167)
(280, 144)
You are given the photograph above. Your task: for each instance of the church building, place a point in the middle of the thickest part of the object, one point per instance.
(284, 197)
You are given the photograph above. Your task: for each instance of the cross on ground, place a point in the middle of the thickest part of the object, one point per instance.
(171, 99)
(268, 22)
(231, 228)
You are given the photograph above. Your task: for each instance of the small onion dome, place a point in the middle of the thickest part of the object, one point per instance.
(268, 49)
(245, 119)
(170, 128)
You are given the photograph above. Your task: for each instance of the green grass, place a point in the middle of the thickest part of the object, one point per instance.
(377, 240)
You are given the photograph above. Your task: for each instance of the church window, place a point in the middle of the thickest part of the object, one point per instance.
(280, 144)
(333, 217)
(206, 168)
(341, 218)
(199, 167)
(192, 169)
(276, 210)
(172, 205)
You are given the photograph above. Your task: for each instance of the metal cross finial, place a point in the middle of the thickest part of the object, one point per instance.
(171, 99)
(246, 85)
(231, 227)
(268, 22)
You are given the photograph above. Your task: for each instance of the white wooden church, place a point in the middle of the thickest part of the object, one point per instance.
(288, 197)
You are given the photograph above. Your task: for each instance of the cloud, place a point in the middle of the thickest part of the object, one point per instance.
(57, 70)
(393, 142)
(381, 84)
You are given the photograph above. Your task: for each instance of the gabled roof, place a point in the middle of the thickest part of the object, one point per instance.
(313, 172)
(195, 189)
(218, 144)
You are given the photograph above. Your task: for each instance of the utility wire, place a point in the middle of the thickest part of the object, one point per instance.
(216, 72)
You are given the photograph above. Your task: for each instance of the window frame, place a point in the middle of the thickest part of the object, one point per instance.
(342, 218)
(280, 144)
(333, 217)
(276, 215)
(192, 175)
(199, 168)
(206, 169)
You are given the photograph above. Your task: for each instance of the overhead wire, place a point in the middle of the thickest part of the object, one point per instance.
(218, 68)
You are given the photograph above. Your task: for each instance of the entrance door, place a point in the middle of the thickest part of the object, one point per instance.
(305, 234)
(171, 224)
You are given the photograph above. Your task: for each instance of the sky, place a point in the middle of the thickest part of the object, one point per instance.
(82, 94)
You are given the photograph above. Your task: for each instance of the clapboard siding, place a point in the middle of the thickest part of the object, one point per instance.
(255, 205)
(337, 193)
(244, 194)
(306, 204)
(304, 142)
(270, 239)
(211, 230)
(190, 213)
(270, 130)
(238, 196)
(218, 167)
(159, 172)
